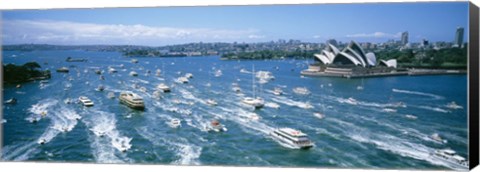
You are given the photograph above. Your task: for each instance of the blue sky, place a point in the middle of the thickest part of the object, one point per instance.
(374, 22)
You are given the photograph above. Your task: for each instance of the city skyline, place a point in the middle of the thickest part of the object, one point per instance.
(378, 22)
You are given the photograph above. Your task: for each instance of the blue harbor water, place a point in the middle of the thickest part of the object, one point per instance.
(373, 132)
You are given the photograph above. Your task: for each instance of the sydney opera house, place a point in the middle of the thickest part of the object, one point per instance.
(352, 61)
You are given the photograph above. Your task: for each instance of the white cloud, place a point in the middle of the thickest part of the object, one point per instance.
(64, 32)
(375, 35)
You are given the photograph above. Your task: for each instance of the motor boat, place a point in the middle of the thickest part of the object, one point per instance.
(189, 75)
(436, 137)
(255, 102)
(236, 89)
(63, 69)
(211, 102)
(359, 87)
(158, 72)
(85, 101)
(42, 141)
(389, 110)
(277, 91)
(111, 95)
(11, 101)
(216, 126)
(301, 90)
(175, 123)
(163, 87)
(100, 88)
(351, 101)
(133, 73)
(132, 100)
(67, 101)
(411, 116)
(453, 105)
(292, 137)
(134, 61)
(319, 115)
(450, 157)
(98, 71)
(182, 80)
(112, 70)
(218, 73)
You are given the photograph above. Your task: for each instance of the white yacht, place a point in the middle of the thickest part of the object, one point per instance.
(236, 89)
(175, 123)
(63, 69)
(134, 61)
(133, 73)
(189, 75)
(301, 90)
(182, 80)
(453, 105)
(111, 95)
(158, 72)
(132, 100)
(451, 157)
(85, 101)
(292, 137)
(359, 87)
(216, 126)
(218, 73)
(254, 101)
(163, 87)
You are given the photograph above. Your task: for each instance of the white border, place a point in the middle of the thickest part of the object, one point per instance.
(62, 167)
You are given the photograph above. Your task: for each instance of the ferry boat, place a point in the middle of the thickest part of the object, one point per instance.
(163, 87)
(301, 90)
(63, 69)
(216, 126)
(451, 157)
(85, 101)
(175, 123)
(292, 137)
(133, 73)
(132, 100)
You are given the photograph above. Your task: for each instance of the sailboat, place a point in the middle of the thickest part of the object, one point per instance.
(360, 87)
(254, 101)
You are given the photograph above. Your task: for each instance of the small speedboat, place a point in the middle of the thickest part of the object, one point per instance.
(11, 101)
(175, 123)
(216, 126)
(158, 72)
(318, 115)
(111, 95)
(189, 75)
(100, 88)
(133, 73)
(163, 87)
(42, 141)
(236, 89)
(277, 91)
(63, 69)
(112, 70)
(211, 102)
(436, 137)
(255, 102)
(351, 101)
(411, 117)
(134, 61)
(453, 105)
(301, 90)
(182, 80)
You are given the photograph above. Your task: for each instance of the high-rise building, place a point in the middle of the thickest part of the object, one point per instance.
(333, 42)
(458, 42)
(404, 38)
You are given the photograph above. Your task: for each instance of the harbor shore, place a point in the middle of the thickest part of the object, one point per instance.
(411, 72)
